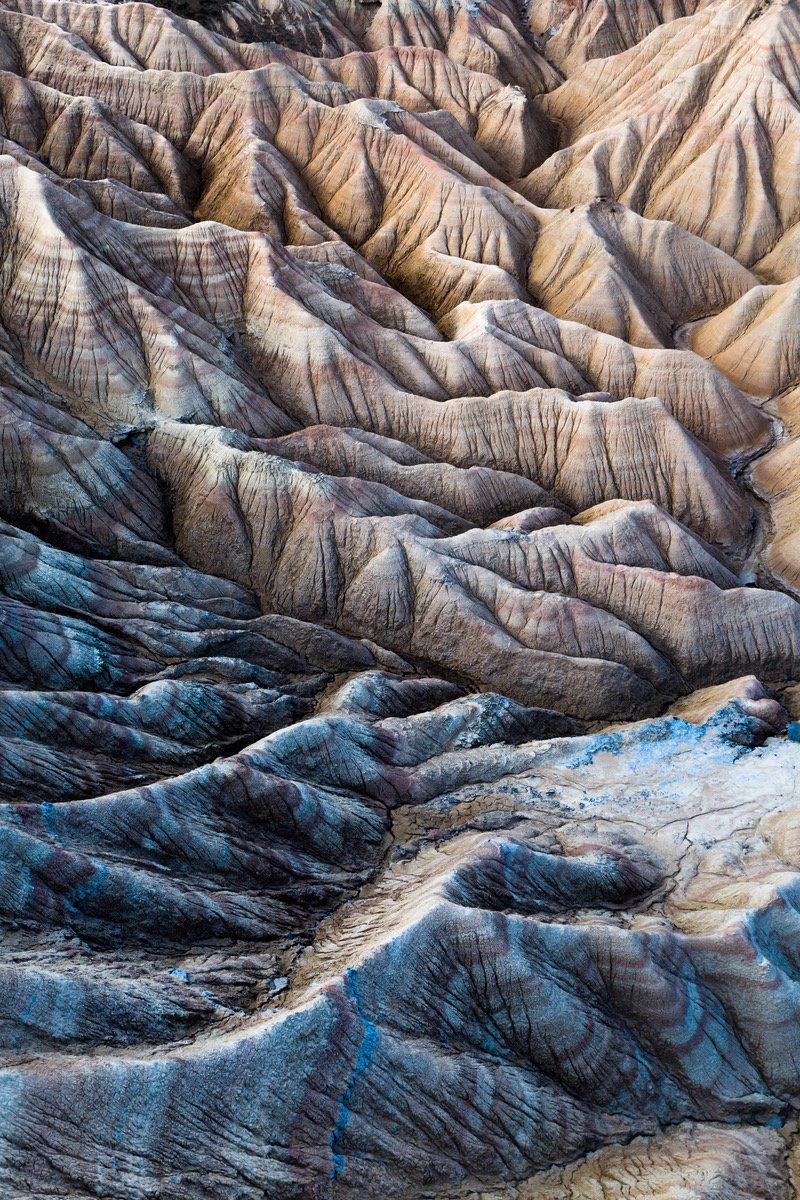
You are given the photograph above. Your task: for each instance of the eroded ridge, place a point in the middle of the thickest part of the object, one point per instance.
(399, 578)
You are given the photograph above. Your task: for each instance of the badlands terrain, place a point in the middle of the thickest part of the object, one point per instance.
(400, 600)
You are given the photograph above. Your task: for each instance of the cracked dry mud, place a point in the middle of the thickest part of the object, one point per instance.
(400, 600)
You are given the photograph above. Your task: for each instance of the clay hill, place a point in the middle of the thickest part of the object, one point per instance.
(400, 600)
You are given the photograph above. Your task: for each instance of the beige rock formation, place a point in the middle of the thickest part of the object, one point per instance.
(697, 124)
(388, 387)
(748, 693)
(573, 31)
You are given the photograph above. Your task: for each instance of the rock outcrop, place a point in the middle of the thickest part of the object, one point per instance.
(399, 599)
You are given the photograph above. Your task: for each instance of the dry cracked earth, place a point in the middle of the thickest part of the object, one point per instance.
(399, 600)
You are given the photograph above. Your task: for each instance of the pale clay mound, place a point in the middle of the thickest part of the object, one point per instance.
(399, 581)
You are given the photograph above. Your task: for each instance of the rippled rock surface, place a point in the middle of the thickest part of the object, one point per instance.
(399, 578)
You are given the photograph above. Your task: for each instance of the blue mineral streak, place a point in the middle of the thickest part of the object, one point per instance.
(368, 1043)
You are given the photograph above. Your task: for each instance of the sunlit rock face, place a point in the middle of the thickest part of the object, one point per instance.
(399, 579)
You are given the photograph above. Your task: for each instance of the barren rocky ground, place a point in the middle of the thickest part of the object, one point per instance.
(399, 600)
